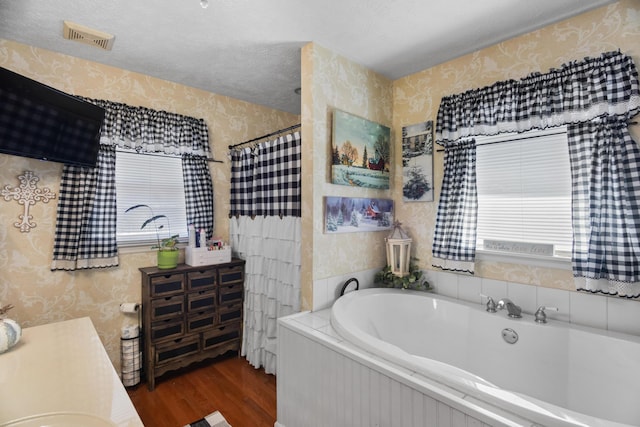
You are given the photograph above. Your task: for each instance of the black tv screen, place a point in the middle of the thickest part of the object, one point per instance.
(41, 122)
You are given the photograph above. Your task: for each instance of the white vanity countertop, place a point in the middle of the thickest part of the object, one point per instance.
(62, 368)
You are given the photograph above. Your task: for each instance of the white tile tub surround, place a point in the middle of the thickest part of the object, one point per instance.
(326, 381)
(593, 310)
(326, 291)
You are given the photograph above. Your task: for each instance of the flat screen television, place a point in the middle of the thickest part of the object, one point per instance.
(41, 122)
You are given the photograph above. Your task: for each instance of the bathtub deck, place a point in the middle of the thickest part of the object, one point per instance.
(324, 380)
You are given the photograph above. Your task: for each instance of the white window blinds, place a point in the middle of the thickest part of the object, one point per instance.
(153, 180)
(524, 192)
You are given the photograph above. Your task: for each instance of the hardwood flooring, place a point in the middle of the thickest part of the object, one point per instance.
(244, 395)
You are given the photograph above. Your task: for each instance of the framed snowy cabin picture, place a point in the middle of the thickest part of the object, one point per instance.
(417, 162)
(353, 214)
(360, 152)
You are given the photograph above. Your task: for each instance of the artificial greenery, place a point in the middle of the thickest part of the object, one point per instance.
(414, 280)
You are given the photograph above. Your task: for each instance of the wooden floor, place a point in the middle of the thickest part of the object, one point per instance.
(245, 396)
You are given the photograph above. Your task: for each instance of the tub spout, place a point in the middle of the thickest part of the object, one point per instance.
(344, 287)
(512, 309)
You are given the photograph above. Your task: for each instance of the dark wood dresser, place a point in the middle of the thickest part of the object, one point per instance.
(190, 314)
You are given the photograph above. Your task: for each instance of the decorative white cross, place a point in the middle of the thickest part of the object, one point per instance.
(27, 195)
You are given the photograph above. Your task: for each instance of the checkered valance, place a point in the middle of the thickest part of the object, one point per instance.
(152, 131)
(265, 180)
(595, 98)
(86, 217)
(576, 92)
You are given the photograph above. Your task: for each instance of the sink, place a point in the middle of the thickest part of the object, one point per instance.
(60, 419)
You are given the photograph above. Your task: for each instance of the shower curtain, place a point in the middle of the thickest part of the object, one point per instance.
(265, 232)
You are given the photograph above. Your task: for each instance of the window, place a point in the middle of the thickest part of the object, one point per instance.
(154, 180)
(524, 193)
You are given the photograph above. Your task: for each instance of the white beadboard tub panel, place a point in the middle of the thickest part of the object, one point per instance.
(324, 381)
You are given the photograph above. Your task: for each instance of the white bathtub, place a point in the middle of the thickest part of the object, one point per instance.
(556, 374)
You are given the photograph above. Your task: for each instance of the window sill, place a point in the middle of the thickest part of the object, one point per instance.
(526, 259)
(140, 248)
(135, 249)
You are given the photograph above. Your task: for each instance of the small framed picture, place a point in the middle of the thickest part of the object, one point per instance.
(354, 214)
(417, 162)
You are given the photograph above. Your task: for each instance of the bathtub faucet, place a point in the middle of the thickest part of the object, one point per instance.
(491, 304)
(512, 309)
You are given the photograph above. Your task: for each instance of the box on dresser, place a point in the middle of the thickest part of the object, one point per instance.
(190, 313)
(206, 256)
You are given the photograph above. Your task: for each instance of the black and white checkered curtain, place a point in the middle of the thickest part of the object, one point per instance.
(152, 131)
(86, 217)
(242, 175)
(454, 242)
(588, 96)
(577, 92)
(606, 207)
(265, 180)
(198, 192)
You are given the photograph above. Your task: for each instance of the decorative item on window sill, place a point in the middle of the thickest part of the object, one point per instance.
(398, 245)
(27, 195)
(167, 250)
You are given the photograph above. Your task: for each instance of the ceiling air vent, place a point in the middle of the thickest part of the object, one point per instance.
(82, 34)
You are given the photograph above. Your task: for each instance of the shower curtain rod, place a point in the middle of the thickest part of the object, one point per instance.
(266, 136)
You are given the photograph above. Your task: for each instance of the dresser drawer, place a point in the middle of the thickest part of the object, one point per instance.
(201, 301)
(175, 349)
(221, 335)
(231, 275)
(203, 279)
(165, 329)
(230, 312)
(201, 322)
(167, 307)
(231, 293)
(169, 284)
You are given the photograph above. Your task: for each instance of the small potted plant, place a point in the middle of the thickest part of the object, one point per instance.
(167, 247)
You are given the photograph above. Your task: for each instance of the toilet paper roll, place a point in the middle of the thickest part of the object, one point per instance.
(129, 307)
(130, 332)
(131, 378)
(131, 365)
(130, 346)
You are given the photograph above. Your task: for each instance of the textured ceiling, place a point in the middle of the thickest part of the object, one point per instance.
(250, 49)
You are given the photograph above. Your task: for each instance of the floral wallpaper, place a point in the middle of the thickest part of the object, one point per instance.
(330, 81)
(41, 296)
(417, 98)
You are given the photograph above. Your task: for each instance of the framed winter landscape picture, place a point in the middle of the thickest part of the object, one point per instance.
(360, 152)
(417, 162)
(353, 214)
